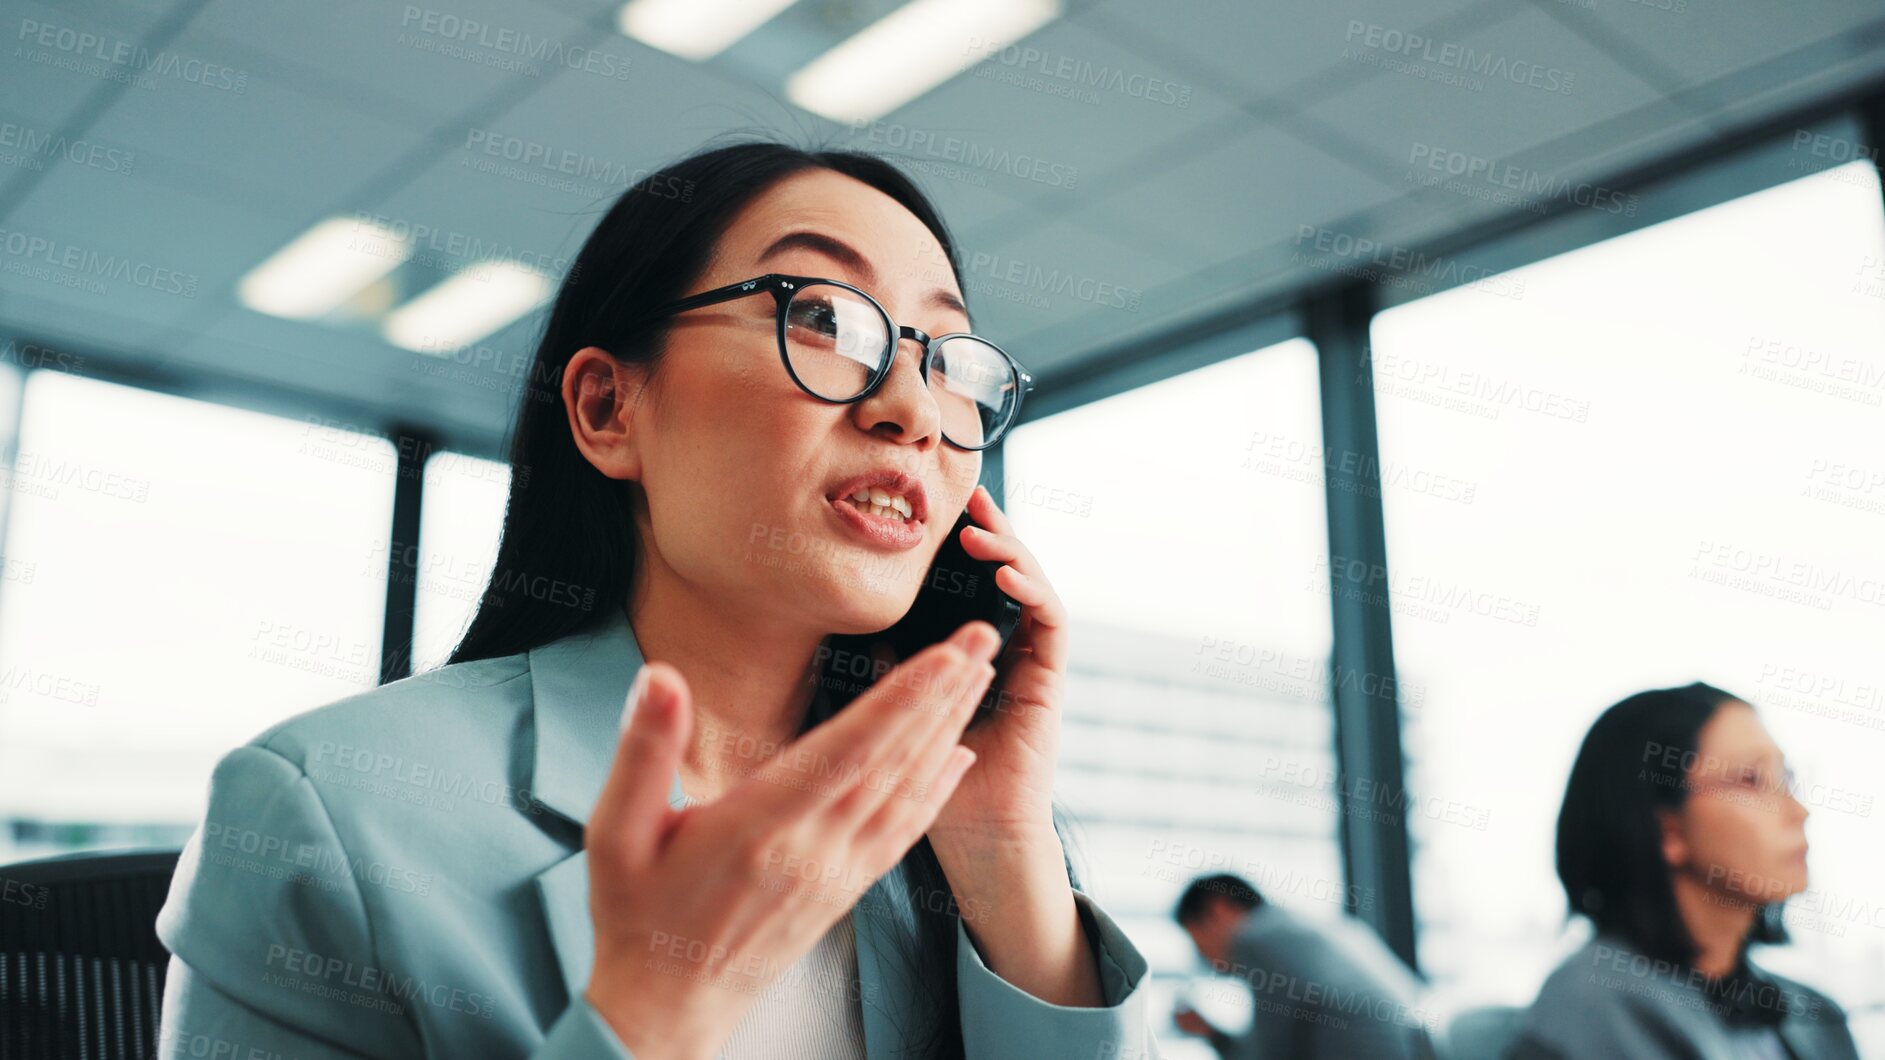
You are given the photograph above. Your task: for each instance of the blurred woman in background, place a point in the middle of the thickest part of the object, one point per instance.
(1680, 839)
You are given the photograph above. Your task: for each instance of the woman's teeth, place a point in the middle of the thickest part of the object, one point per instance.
(883, 504)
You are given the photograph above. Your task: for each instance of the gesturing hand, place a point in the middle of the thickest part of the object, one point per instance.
(697, 909)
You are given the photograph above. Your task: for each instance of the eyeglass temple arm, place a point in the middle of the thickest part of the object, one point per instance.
(768, 283)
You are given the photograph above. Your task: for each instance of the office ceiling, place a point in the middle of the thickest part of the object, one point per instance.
(1235, 136)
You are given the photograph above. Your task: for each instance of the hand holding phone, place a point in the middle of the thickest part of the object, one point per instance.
(957, 589)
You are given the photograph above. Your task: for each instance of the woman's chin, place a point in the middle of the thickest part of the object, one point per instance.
(1785, 880)
(866, 623)
(851, 609)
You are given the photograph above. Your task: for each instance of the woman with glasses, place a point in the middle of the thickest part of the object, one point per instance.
(764, 407)
(1680, 839)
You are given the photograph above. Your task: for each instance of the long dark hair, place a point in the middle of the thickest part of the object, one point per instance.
(568, 542)
(1609, 840)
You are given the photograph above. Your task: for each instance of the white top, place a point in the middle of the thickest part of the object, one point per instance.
(811, 1011)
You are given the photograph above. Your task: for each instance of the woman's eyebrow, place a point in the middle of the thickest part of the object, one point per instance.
(1772, 760)
(848, 255)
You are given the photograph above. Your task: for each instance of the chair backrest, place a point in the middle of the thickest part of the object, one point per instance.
(1482, 1033)
(81, 969)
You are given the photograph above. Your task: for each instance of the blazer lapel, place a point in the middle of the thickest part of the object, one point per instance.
(579, 685)
(563, 891)
(1805, 1037)
(885, 990)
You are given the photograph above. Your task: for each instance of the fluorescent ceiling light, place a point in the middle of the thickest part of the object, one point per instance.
(468, 306)
(323, 267)
(694, 29)
(910, 51)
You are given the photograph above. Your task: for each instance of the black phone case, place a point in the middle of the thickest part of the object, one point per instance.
(957, 589)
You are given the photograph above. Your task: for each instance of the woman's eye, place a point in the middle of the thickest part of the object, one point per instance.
(816, 316)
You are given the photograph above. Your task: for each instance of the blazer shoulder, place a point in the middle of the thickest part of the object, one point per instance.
(1805, 1004)
(1818, 998)
(435, 706)
(1580, 982)
(1583, 1001)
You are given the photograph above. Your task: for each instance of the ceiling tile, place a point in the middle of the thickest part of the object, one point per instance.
(1021, 284)
(1493, 92)
(85, 329)
(431, 61)
(587, 10)
(1058, 116)
(59, 56)
(665, 107)
(966, 199)
(1247, 190)
(1597, 153)
(456, 214)
(1707, 41)
(303, 355)
(133, 246)
(1059, 347)
(1797, 79)
(1263, 48)
(268, 147)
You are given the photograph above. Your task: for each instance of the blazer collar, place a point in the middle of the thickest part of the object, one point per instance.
(579, 684)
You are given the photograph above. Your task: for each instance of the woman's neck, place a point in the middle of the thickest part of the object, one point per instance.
(1717, 921)
(750, 678)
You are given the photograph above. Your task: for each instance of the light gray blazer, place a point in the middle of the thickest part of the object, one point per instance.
(1323, 993)
(400, 874)
(1605, 1002)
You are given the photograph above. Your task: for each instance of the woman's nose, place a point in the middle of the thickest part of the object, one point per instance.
(902, 405)
(1795, 809)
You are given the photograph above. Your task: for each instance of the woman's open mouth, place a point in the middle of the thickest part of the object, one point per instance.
(882, 518)
(883, 504)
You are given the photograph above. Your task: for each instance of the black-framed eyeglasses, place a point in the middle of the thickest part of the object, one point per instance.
(839, 344)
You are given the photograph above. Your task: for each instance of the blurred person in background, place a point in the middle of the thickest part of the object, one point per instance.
(1680, 838)
(1321, 993)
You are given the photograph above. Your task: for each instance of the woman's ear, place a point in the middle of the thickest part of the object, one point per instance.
(602, 396)
(1675, 844)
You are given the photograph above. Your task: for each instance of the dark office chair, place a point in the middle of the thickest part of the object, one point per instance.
(81, 970)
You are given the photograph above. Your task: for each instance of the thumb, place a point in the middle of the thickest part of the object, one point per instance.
(633, 807)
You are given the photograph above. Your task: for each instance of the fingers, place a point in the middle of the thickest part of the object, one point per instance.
(923, 759)
(912, 775)
(633, 805)
(991, 525)
(986, 512)
(943, 709)
(1022, 578)
(923, 773)
(913, 696)
(901, 822)
(847, 759)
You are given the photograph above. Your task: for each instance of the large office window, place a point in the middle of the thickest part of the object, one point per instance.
(1183, 525)
(11, 383)
(179, 576)
(459, 524)
(1673, 443)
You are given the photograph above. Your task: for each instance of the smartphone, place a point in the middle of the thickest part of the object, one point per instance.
(957, 589)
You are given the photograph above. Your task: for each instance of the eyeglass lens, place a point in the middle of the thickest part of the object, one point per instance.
(837, 340)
